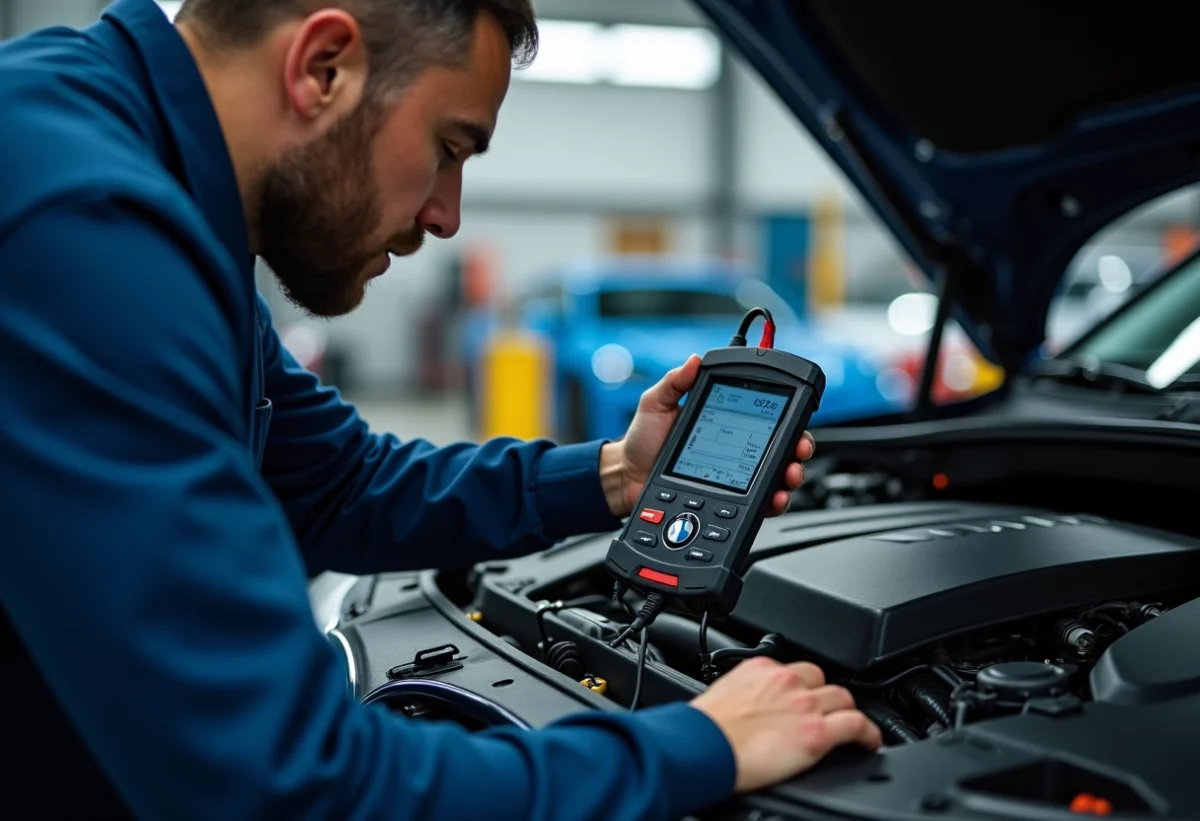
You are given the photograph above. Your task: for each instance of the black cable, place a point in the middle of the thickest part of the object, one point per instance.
(928, 698)
(768, 645)
(739, 338)
(707, 670)
(618, 598)
(555, 606)
(893, 727)
(888, 682)
(641, 668)
(943, 671)
(1120, 626)
(646, 615)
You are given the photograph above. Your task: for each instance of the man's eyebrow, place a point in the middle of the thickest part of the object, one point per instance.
(476, 133)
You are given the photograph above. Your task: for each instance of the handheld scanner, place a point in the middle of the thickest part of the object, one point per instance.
(723, 461)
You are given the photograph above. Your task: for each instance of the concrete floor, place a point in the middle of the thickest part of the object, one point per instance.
(441, 421)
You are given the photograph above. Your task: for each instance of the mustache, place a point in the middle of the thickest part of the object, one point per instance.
(408, 243)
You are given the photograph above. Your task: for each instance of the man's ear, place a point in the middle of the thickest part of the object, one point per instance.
(325, 68)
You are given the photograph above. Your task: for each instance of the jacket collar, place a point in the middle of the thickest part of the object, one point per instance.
(201, 158)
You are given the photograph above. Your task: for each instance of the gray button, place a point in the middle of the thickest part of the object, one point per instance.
(665, 496)
(725, 511)
(645, 539)
(715, 534)
(694, 504)
(698, 555)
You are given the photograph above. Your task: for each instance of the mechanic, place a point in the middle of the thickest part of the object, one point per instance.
(170, 478)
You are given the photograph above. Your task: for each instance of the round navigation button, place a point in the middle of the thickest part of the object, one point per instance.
(680, 531)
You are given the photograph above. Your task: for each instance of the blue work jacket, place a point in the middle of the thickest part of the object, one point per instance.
(170, 478)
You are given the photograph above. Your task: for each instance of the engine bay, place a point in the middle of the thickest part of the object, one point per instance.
(933, 614)
(947, 620)
(1020, 618)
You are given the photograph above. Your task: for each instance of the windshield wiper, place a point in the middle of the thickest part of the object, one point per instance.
(1092, 372)
(1089, 371)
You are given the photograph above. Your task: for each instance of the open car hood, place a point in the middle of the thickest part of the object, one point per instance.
(993, 140)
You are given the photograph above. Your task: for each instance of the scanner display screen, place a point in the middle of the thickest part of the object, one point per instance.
(731, 433)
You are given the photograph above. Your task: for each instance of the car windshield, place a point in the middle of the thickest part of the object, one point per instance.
(656, 303)
(1158, 334)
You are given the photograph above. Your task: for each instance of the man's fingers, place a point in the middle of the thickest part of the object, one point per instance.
(666, 394)
(811, 676)
(846, 726)
(833, 699)
(780, 502)
(794, 476)
(807, 447)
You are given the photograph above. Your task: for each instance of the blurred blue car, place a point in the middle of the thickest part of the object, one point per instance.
(615, 326)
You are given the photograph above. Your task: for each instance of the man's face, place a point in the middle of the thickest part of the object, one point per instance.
(333, 211)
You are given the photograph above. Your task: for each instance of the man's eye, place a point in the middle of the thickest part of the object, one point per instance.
(448, 153)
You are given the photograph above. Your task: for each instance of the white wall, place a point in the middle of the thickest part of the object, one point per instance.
(779, 165)
(614, 145)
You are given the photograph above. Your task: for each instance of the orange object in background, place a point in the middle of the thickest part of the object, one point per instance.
(639, 236)
(1178, 241)
(1088, 804)
(962, 373)
(479, 274)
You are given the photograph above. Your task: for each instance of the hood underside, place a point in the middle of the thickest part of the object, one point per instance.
(993, 140)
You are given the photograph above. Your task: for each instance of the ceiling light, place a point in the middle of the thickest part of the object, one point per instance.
(1114, 273)
(912, 314)
(625, 55)
(663, 56)
(568, 52)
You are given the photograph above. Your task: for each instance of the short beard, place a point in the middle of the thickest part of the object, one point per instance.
(317, 206)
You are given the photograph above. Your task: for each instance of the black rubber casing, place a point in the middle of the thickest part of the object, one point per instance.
(716, 581)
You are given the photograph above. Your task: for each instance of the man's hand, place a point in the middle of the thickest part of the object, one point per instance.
(781, 719)
(625, 465)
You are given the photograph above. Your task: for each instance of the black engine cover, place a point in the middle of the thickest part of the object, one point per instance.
(862, 600)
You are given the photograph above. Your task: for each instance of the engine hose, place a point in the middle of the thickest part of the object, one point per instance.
(678, 638)
(767, 646)
(564, 656)
(925, 693)
(890, 724)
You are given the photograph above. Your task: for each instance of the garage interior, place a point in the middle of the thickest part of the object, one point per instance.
(639, 133)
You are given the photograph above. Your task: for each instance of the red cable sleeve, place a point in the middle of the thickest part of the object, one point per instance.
(768, 337)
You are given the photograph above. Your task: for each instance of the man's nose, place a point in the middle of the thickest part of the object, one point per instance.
(441, 215)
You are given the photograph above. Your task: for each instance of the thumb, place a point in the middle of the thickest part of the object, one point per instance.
(666, 394)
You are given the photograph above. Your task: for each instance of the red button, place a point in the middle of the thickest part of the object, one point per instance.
(652, 516)
(661, 578)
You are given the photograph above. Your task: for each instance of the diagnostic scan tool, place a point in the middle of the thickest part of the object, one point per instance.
(724, 460)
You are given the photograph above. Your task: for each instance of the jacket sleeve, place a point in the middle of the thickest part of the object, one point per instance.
(364, 502)
(157, 585)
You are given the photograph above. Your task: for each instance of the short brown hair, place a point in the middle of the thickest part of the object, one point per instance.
(402, 37)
